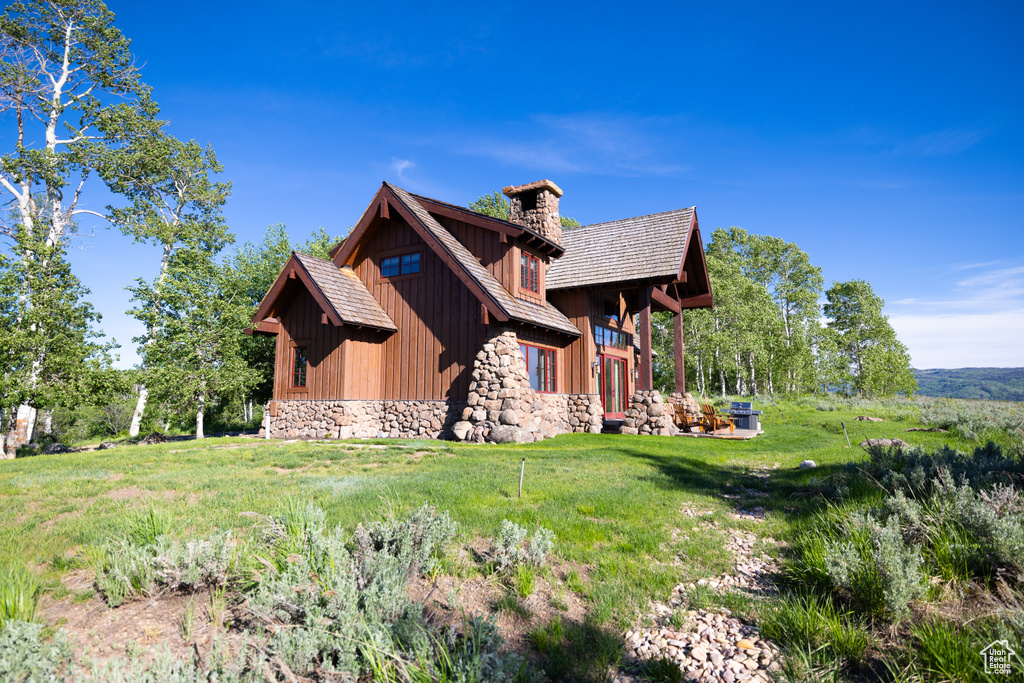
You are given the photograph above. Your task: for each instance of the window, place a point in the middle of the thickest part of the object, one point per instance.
(299, 366)
(529, 270)
(406, 264)
(608, 337)
(540, 365)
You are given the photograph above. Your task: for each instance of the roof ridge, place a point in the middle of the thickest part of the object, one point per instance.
(632, 218)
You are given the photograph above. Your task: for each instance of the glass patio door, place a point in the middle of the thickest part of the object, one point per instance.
(612, 381)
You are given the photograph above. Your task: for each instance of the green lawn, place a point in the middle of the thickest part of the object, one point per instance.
(611, 500)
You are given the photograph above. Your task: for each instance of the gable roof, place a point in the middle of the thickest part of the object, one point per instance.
(641, 248)
(338, 291)
(498, 301)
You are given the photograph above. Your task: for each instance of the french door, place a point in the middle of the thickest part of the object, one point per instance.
(611, 379)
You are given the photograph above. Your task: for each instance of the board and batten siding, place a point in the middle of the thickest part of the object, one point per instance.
(438, 319)
(329, 350)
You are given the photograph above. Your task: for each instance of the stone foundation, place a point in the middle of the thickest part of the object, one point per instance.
(585, 413)
(648, 414)
(322, 419)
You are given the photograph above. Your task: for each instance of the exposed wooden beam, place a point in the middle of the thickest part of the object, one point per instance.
(384, 209)
(646, 357)
(664, 299)
(268, 326)
(699, 301)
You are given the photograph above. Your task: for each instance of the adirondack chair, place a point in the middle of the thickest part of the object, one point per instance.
(684, 420)
(714, 420)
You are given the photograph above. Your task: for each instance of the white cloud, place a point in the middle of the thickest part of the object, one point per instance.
(399, 166)
(959, 340)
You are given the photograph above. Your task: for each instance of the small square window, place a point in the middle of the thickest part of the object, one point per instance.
(390, 267)
(410, 263)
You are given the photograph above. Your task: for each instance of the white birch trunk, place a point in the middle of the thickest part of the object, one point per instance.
(140, 407)
(199, 419)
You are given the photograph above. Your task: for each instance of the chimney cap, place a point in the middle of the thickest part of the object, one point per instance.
(513, 190)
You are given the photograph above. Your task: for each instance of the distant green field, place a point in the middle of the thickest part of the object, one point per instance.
(990, 384)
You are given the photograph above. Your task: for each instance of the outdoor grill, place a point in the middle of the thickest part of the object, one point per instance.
(745, 416)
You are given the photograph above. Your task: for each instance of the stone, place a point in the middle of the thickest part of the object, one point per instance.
(509, 417)
(157, 437)
(104, 445)
(509, 434)
(868, 418)
(462, 429)
(808, 464)
(656, 410)
(53, 448)
(744, 644)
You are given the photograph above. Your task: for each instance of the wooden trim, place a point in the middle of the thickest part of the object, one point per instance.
(293, 270)
(268, 326)
(342, 256)
(392, 253)
(498, 225)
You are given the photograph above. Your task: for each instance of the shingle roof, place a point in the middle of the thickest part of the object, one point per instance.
(544, 315)
(630, 249)
(346, 293)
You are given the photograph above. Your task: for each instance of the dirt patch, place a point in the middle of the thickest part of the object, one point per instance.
(146, 626)
(134, 493)
(293, 470)
(115, 476)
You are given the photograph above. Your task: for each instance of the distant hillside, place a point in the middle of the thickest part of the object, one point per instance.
(991, 384)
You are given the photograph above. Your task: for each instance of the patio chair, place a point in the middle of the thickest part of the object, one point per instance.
(683, 420)
(714, 420)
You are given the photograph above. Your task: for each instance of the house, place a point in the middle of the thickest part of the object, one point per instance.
(433, 320)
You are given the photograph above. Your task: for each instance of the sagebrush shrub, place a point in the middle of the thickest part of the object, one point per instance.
(26, 656)
(512, 548)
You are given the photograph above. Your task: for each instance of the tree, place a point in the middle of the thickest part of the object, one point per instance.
(50, 352)
(69, 82)
(880, 364)
(192, 350)
(173, 200)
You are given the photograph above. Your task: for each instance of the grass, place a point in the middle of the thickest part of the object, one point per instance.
(614, 503)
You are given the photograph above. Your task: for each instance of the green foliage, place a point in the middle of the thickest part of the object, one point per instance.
(25, 656)
(880, 363)
(19, 594)
(807, 622)
(582, 652)
(494, 204)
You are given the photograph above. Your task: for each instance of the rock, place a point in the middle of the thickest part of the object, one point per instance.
(56, 448)
(104, 445)
(509, 417)
(154, 437)
(808, 464)
(884, 443)
(462, 429)
(509, 434)
(744, 644)
(656, 409)
(867, 418)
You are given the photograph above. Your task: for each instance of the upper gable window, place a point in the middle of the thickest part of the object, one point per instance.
(529, 272)
(404, 264)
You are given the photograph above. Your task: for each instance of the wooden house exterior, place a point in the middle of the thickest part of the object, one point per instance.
(431, 319)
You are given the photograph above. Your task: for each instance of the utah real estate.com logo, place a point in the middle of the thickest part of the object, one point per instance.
(997, 657)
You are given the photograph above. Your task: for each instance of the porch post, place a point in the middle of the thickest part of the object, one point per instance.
(644, 322)
(680, 351)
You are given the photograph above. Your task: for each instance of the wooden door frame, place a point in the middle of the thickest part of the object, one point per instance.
(601, 384)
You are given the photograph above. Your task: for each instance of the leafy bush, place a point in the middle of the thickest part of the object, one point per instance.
(512, 549)
(26, 656)
(915, 471)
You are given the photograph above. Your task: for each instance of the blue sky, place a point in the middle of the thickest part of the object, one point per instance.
(885, 139)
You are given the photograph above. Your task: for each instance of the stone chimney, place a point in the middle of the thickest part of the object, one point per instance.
(535, 206)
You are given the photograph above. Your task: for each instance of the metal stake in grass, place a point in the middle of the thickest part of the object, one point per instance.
(522, 469)
(847, 435)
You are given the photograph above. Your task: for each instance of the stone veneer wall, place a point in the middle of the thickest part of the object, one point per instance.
(648, 414)
(323, 419)
(502, 407)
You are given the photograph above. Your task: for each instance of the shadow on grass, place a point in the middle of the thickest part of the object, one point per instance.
(787, 489)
